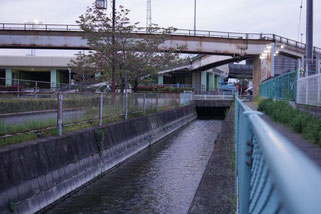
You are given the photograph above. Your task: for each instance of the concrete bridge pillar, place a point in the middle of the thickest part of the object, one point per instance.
(211, 82)
(194, 80)
(256, 75)
(53, 78)
(203, 81)
(8, 76)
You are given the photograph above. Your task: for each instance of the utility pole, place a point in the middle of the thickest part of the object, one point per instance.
(309, 36)
(194, 17)
(149, 15)
(113, 43)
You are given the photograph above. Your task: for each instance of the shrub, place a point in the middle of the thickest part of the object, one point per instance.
(300, 122)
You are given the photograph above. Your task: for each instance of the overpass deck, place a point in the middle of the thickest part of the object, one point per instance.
(60, 36)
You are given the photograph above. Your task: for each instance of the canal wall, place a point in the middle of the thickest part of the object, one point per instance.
(37, 173)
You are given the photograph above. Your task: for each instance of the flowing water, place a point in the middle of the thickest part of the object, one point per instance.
(161, 179)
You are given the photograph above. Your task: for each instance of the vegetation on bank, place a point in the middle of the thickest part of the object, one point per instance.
(73, 127)
(301, 122)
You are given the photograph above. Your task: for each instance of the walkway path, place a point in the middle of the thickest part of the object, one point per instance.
(311, 150)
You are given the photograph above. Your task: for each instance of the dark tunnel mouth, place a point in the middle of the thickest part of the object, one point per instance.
(211, 113)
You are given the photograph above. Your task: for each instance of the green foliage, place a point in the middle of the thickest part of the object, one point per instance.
(12, 206)
(114, 52)
(100, 140)
(25, 126)
(300, 122)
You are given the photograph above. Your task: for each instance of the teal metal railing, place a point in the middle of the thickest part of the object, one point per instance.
(281, 87)
(272, 176)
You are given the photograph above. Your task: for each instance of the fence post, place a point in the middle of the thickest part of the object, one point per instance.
(126, 106)
(166, 101)
(306, 91)
(236, 125)
(144, 105)
(101, 109)
(156, 102)
(318, 79)
(60, 113)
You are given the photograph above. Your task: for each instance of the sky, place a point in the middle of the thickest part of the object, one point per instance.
(249, 16)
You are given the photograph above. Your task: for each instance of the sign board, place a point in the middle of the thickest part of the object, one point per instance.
(266, 67)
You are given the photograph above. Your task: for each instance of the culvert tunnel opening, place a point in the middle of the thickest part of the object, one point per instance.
(211, 113)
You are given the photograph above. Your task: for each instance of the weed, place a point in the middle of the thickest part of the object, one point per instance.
(100, 140)
(12, 206)
(300, 122)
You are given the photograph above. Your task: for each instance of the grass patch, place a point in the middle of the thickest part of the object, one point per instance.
(7, 128)
(301, 122)
(66, 128)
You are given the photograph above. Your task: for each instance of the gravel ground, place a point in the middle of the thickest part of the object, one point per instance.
(215, 192)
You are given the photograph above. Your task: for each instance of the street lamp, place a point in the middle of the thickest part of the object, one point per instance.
(101, 4)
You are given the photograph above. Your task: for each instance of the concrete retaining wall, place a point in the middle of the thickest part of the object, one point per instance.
(35, 174)
(213, 103)
(314, 110)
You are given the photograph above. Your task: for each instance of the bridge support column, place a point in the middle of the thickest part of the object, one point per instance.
(160, 80)
(256, 75)
(8, 76)
(53, 78)
(203, 81)
(211, 82)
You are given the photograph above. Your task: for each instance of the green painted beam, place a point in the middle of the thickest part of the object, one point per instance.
(53, 78)
(203, 81)
(8, 76)
(211, 82)
(160, 80)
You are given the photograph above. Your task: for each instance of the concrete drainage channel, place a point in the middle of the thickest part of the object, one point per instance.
(35, 174)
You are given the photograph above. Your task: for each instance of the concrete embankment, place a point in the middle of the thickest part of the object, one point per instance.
(37, 173)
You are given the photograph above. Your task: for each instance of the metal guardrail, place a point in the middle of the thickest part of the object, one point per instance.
(272, 175)
(213, 97)
(173, 31)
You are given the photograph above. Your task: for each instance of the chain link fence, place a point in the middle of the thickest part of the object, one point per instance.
(309, 90)
(281, 87)
(33, 112)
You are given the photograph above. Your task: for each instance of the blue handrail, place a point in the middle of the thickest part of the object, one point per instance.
(272, 175)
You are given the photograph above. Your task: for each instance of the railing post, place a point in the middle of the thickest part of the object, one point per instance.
(156, 102)
(101, 100)
(60, 113)
(144, 105)
(126, 105)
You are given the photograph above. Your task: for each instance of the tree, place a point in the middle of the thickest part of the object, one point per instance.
(83, 68)
(138, 57)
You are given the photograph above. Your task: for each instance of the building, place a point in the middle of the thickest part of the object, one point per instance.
(35, 71)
